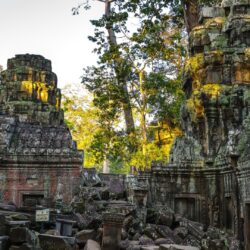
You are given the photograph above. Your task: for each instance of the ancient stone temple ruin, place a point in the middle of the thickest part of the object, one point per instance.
(200, 200)
(39, 161)
(208, 177)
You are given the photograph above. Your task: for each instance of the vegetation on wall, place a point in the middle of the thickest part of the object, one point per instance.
(136, 86)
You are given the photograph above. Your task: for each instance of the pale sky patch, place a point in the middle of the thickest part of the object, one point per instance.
(48, 28)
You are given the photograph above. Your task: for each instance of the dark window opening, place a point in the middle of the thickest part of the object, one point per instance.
(185, 207)
(197, 50)
(32, 200)
(227, 11)
(240, 10)
(246, 37)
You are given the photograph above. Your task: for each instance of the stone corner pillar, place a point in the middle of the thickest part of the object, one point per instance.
(112, 228)
(140, 196)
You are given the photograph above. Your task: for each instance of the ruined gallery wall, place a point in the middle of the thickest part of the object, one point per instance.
(208, 176)
(18, 185)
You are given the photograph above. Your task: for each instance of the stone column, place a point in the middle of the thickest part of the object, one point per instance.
(112, 228)
(212, 119)
(140, 197)
(144, 180)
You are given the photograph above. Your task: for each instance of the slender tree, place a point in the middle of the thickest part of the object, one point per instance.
(121, 76)
(144, 54)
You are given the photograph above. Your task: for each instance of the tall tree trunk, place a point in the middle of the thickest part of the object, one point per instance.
(143, 124)
(126, 105)
(191, 13)
(106, 169)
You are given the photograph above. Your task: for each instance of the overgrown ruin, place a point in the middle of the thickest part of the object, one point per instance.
(200, 200)
(207, 179)
(37, 154)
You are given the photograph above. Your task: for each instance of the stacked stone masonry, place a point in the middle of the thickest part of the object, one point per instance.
(208, 177)
(38, 158)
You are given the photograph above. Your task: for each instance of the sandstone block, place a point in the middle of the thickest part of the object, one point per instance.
(149, 248)
(22, 235)
(50, 242)
(4, 242)
(24, 246)
(181, 232)
(83, 236)
(162, 241)
(92, 245)
(177, 247)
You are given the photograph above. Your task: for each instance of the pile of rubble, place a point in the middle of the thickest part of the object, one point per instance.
(101, 217)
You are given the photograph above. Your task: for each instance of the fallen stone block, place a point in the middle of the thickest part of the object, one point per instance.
(124, 244)
(24, 246)
(177, 247)
(165, 217)
(167, 233)
(213, 233)
(151, 232)
(124, 235)
(3, 227)
(134, 247)
(4, 242)
(104, 192)
(149, 248)
(19, 217)
(195, 229)
(52, 232)
(134, 242)
(81, 221)
(14, 224)
(14, 248)
(191, 241)
(182, 232)
(136, 236)
(21, 235)
(92, 245)
(7, 207)
(234, 244)
(144, 240)
(162, 241)
(51, 242)
(83, 236)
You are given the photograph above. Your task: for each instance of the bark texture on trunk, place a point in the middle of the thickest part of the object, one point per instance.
(191, 13)
(127, 110)
(106, 169)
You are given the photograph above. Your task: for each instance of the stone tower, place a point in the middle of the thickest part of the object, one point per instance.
(38, 158)
(208, 177)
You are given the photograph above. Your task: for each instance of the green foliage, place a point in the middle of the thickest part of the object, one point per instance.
(154, 153)
(177, 8)
(81, 119)
(94, 129)
(140, 66)
(165, 97)
(143, 50)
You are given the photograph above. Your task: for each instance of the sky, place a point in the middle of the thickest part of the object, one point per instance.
(48, 28)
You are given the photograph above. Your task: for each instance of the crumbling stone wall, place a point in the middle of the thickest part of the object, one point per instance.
(207, 178)
(38, 158)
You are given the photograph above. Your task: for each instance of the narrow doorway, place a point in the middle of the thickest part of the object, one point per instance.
(31, 200)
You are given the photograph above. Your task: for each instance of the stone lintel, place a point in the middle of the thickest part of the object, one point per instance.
(113, 219)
